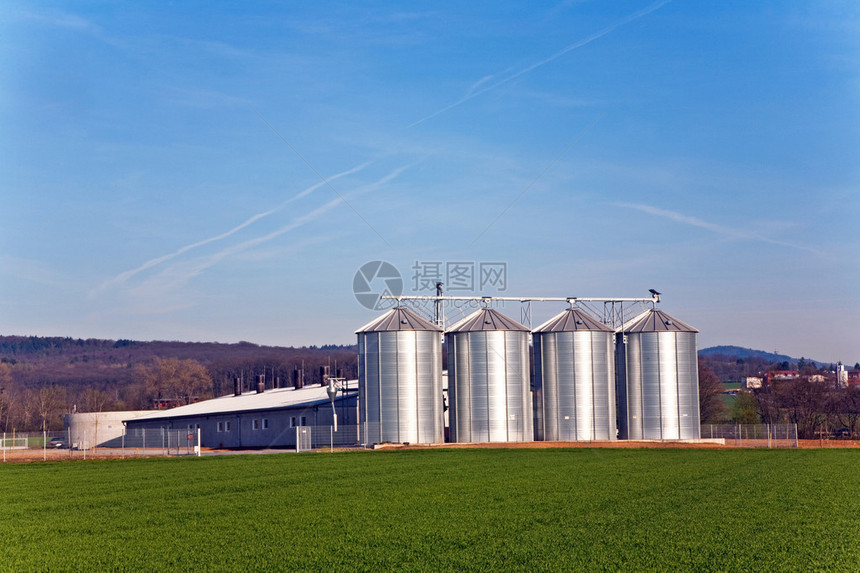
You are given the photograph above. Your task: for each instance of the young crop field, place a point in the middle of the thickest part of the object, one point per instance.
(554, 509)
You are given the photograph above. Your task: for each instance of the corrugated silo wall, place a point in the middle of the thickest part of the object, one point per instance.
(400, 386)
(576, 375)
(658, 386)
(489, 387)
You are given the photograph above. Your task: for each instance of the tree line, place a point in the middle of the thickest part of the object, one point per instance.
(813, 400)
(43, 379)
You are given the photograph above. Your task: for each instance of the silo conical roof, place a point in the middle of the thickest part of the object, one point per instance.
(572, 320)
(398, 318)
(656, 321)
(486, 319)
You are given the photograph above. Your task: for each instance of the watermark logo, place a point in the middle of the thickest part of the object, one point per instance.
(459, 276)
(374, 280)
(377, 279)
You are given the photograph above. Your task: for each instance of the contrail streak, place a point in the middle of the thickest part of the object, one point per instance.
(472, 93)
(212, 260)
(719, 229)
(312, 168)
(122, 277)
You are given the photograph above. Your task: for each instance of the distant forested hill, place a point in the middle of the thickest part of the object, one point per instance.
(70, 361)
(739, 352)
(43, 377)
(731, 363)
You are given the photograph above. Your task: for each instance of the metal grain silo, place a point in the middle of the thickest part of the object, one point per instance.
(575, 378)
(400, 379)
(488, 379)
(658, 379)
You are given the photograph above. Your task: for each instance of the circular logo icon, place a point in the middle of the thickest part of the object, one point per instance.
(374, 280)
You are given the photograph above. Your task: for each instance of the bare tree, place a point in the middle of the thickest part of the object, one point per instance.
(712, 408)
(846, 408)
(745, 409)
(49, 402)
(94, 400)
(805, 403)
(171, 378)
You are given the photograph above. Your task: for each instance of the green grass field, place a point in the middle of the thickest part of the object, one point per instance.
(702, 510)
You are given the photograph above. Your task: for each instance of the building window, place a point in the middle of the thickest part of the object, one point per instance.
(292, 421)
(220, 427)
(255, 425)
(226, 426)
(265, 423)
(304, 421)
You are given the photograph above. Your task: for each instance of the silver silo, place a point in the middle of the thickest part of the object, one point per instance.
(400, 379)
(488, 379)
(658, 379)
(575, 378)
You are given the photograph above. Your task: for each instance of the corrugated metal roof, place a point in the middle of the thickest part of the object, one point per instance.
(486, 319)
(398, 318)
(572, 320)
(270, 399)
(656, 321)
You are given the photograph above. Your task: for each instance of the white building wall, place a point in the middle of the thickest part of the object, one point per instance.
(97, 429)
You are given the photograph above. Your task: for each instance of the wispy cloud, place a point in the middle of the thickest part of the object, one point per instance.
(474, 87)
(323, 179)
(536, 179)
(177, 275)
(474, 91)
(55, 19)
(201, 98)
(714, 227)
(30, 270)
(123, 277)
(298, 221)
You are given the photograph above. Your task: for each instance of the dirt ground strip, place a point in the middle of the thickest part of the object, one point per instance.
(36, 455)
(669, 444)
(60, 455)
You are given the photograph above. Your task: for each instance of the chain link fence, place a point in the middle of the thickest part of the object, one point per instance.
(754, 435)
(56, 445)
(184, 442)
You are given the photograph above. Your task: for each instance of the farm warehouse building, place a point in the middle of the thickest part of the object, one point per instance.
(258, 420)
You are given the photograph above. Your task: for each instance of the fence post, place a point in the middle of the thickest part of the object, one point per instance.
(4, 447)
(198, 442)
(795, 435)
(123, 443)
(44, 445)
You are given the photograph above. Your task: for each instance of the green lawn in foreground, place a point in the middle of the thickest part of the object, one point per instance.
(751, 510)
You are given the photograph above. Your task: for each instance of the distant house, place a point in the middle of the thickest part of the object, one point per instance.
(752, 382)
(166, 403)
(781, 375)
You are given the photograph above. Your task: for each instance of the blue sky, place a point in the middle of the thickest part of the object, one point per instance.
(161, 163)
